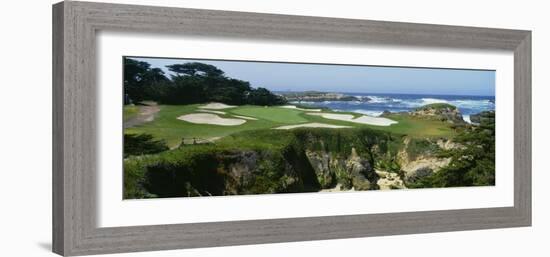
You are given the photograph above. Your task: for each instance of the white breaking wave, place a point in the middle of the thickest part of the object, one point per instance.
(382, 99)
(426, 101)
(303, 102)
(473, 104)
(465, 103)
(378, 99)
(466, 118)
(375, 104)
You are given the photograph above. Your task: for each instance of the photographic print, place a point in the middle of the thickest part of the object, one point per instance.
(197, 127)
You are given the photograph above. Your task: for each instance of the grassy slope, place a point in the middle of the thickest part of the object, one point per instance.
(273, 114)
(166, 125)
(416, 127)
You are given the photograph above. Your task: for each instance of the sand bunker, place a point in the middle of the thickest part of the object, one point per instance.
(223, 113)
(312, 125)
(212, 119)
(377, 121)
(210, 111)
(216, 106)
(301, 109)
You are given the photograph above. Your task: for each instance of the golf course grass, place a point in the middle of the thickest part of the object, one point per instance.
(130, 111)
(168, 127)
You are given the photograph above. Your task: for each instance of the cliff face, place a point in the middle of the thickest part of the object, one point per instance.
(313, 160)
(233, 173)
(421, 166)
(344, 172)
(354, 172)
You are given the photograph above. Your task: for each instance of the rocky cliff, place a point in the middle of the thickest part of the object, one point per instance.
(306, 160)
(439, 111)
(346, 172)
(485, 117)
(354, 172)
(416, 164)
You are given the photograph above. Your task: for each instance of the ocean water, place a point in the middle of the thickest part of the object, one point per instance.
(375, 104)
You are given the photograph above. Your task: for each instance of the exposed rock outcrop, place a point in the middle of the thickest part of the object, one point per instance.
(326, 161)
(389, 180)
(422, 167)
(424, 163)
(483, 117)
(324, 166)
(362, 174)
(440, 111)
(355, 171)
(447, 144)
(348, 172)
(233, 172)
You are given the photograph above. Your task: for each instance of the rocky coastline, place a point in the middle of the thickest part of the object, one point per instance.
(308, 160)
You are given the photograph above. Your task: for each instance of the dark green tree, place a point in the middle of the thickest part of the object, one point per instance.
(141, 82)
(185, 90)
(139, 144)
(262, 96)
(195, 69)
(194, 82)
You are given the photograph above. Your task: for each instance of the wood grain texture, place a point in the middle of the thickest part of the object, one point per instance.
(522, 128)
(58, 128)
(74, 126)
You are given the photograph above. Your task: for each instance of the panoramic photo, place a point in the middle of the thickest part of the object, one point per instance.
(196, 127)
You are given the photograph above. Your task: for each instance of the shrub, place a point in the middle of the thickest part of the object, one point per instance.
(140, 144)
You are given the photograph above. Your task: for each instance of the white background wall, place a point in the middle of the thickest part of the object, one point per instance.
(25, 128)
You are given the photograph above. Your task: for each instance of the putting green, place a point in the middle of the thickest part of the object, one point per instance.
(274, 114)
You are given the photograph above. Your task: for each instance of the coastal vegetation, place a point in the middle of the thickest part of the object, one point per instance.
(471, 164)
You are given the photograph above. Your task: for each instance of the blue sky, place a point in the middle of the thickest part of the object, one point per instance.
(345, 78)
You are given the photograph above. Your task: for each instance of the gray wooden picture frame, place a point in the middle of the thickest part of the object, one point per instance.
(75, 25)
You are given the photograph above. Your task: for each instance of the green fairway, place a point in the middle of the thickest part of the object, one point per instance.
(417, 127)
(273, 114)
(168, 127)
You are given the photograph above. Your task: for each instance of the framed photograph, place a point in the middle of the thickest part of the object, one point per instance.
(183, 128)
